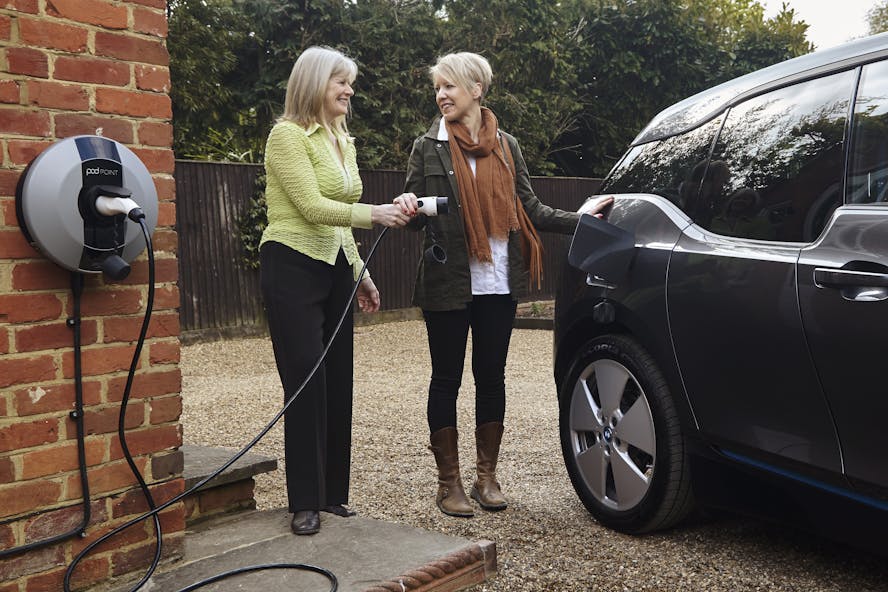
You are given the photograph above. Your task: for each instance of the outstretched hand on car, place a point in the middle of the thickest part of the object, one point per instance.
(596, 206)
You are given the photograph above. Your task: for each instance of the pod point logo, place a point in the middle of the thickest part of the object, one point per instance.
(101, 171)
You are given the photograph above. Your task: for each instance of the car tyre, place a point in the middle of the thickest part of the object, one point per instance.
(622, 439)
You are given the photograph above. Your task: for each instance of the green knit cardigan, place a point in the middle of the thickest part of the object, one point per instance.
(311, 195)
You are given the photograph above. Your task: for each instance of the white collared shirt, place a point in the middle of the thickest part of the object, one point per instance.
(488, 277)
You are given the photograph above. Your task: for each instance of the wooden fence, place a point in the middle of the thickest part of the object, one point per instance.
(220, 294)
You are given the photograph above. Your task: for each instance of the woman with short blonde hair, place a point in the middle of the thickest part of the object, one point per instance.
(465, 69)
(493, 252)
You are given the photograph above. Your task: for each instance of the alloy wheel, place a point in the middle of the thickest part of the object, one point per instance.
(612, 434)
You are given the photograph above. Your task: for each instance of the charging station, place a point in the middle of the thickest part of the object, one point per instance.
(74, 204)
(73, 200)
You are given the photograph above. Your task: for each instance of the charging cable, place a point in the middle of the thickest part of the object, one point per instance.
(155, 510)
(109, 201)
(431, 206)
(77, 416)
(121, 426)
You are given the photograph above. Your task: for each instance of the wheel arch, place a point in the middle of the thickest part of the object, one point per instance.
(584, 328)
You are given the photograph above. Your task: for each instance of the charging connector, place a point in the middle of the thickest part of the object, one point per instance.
(112, 206)
(111, 201)
(433, 205)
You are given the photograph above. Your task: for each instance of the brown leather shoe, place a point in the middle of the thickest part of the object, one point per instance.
(339, 510)
(305, 522)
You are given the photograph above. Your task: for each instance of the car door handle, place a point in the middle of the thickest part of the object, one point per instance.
(843, 278)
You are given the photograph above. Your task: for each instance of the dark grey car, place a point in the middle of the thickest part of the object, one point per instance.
(723, 337)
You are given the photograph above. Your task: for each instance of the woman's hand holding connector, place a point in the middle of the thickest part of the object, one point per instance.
(390, 215)
(408, 203)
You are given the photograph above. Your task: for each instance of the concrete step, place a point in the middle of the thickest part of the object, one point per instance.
(365, 555)
(231, 491)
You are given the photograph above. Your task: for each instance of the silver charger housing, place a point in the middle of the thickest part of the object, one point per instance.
(55, 203)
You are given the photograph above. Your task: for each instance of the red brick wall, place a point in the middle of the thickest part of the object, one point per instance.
(70, 67)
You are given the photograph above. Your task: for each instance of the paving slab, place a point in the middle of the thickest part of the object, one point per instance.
(365, 555)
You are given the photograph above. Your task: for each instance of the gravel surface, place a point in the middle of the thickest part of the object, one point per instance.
(546, 541)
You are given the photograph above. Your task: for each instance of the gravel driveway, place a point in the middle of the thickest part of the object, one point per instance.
(546, 540)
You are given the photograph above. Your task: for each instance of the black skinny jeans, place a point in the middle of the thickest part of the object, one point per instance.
(490, 318)
(304, 299)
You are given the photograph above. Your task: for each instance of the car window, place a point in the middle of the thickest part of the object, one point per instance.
(868, 172)
(776, 171)
(672, 168)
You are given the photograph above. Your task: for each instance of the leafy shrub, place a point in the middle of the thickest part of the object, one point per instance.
(253, 223)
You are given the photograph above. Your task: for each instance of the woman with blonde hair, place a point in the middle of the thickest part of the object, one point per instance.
(493, 251)
(309, 262)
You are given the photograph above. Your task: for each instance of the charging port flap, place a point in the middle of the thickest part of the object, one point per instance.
(602, 250)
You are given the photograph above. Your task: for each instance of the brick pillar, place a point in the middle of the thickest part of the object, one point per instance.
(70, 67)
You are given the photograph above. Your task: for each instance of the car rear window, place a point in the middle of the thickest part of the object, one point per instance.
(868, 172)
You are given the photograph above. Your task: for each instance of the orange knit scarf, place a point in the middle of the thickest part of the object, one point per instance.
(488, 198)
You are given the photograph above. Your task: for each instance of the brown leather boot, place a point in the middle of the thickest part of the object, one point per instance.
(451, 497)
(486, 490)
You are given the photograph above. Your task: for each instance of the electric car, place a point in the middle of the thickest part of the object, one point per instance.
(721, 336)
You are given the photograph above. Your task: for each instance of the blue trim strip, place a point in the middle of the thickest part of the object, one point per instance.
(92, 147)
(852, 495)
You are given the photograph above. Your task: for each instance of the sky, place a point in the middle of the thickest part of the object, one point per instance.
(830, 21)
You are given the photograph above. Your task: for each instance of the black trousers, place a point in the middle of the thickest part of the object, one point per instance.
(490, 318)
(304, 299)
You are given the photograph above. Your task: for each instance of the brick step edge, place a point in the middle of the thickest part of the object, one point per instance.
(201, 461)
(231, 491)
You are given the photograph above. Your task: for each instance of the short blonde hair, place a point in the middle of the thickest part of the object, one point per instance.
(307, 86)
(465, 69)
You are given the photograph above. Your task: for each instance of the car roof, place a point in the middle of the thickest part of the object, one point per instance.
(703, 106)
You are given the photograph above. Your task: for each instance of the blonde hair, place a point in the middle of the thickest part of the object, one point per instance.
(307, 86)
(465, 69)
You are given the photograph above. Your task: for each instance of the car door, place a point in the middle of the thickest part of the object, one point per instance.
(731, 289)
(741, 350)
(843, 292)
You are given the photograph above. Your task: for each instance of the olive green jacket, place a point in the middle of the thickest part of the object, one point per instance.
(448, 286)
